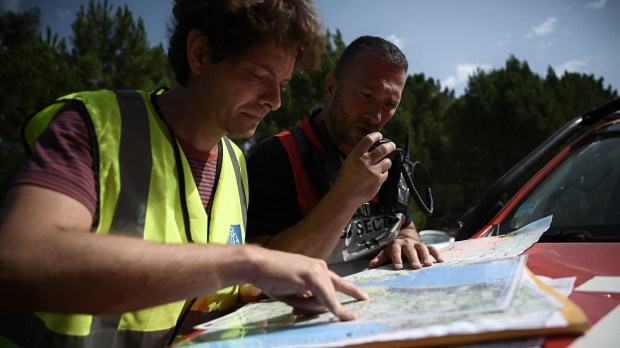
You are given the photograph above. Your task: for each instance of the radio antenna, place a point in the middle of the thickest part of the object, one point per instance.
(407, 146)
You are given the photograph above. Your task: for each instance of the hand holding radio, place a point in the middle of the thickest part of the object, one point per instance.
(361, 173)
(391, 155)
(364, 173)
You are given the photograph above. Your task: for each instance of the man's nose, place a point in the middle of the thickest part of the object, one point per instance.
(271, 96)
(375, 113)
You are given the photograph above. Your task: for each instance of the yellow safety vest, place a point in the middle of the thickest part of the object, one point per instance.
(142, 195)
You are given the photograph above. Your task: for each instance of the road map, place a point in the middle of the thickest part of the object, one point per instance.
(466, 297)
(403, 305)
(507, 245)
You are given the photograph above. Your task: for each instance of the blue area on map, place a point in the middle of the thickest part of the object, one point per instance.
(447, 276)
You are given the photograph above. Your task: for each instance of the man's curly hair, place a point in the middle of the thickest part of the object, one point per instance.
(233, 27)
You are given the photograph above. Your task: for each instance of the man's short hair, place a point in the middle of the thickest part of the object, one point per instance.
(233, 27)
(384, 50)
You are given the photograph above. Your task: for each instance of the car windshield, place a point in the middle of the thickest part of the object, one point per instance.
(582, 193)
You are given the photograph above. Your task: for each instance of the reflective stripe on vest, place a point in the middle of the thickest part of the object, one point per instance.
(135, 164)
(138, 195)
(240, 185)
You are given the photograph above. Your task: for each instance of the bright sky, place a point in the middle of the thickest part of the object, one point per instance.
(444, 39)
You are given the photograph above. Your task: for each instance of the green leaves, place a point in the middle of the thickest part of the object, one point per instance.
(107, 50)
(502, 116)
(111, 50)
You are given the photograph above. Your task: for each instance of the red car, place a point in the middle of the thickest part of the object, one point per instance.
(580, 188)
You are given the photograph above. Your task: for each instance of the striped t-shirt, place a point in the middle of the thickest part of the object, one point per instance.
(63, 161)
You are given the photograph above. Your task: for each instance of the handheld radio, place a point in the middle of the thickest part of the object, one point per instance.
(395, 190)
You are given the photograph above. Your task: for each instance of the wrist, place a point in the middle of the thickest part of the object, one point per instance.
(404, 233)
(342, 200)
(250, 263)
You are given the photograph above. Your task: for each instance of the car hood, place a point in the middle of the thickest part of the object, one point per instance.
(583, 261)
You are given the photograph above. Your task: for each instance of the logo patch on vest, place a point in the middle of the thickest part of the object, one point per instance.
(234, 235)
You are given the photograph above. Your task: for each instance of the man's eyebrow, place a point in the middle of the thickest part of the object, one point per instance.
(265, 67)
(271, 70)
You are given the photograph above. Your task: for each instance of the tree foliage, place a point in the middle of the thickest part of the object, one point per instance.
(33, 69)
(466, 142)
(423, 106)
(106, 51)
(111, 50)
(501, 117)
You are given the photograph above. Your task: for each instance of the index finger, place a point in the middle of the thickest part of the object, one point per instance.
(327, 297)
(365, 144)
(347, 288)
(435, 253)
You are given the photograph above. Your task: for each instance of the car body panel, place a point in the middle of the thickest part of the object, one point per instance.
(583, 261)
(538, 177)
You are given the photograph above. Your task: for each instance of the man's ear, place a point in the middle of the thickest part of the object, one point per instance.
(197, 51)
(331, 84)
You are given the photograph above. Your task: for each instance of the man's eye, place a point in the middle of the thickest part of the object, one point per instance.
(390, 106)
(257, 77)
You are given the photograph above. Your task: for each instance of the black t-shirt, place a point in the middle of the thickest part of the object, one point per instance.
(273, 195)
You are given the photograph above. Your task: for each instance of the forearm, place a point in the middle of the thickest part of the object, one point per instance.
(89, 273)
(317, 234)
(50, 260)
(110, 278)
